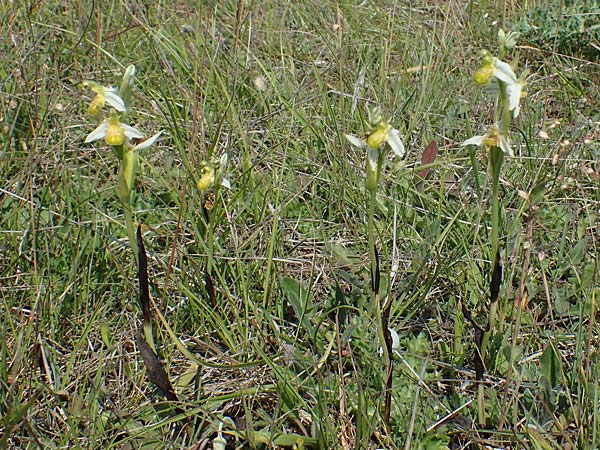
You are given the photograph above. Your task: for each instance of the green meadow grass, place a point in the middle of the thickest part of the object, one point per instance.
(278, 346)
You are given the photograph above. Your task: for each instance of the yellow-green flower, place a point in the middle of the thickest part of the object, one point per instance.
(493, 139)
(114, 132)
(382, 133)
(104, 96)
(207, 178)
(214, 173)
(492, 67)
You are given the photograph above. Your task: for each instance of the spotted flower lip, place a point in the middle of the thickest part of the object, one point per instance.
(493, 139)
(115, 133)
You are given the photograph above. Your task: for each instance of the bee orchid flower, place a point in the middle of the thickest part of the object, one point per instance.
(113, 131)
(493, 139)
(383, 133)
(104, 96)
(494, 68)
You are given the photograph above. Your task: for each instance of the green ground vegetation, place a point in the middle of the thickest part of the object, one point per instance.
(260, 293)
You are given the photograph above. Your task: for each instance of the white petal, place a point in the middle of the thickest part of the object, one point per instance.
(225, 183)
(113, 99)
(396, 143)
(505, 147)
(514, 97)
(356, 141)
(98, 133)
(504, 72)
(132, 133)
(395, 339)
(475, 140)
(148, 142)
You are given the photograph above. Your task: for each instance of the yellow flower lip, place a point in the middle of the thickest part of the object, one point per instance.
(207, 178)
(483, 75)
(115, 135)
(380, 135)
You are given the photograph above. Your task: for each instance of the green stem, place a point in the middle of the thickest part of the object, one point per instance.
(131, 230)
(495, 212)
(371, 235)
(127, 172)
(376, 304)
(496, 159)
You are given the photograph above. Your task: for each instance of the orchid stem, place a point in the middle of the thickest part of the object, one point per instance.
(378, 310)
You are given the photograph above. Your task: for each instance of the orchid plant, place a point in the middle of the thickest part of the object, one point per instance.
(497, 144)
(118, 135)
(379, 141)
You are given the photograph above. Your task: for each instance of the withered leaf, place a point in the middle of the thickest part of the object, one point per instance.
(143, 277)
(428, 157)
(155, 370)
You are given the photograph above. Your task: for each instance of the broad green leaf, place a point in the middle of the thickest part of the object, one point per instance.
(551, 365)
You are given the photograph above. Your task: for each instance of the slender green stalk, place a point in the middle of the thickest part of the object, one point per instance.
(376, 303)
(129, 224)
(495, 163)
(496, 159)
(371, 235)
